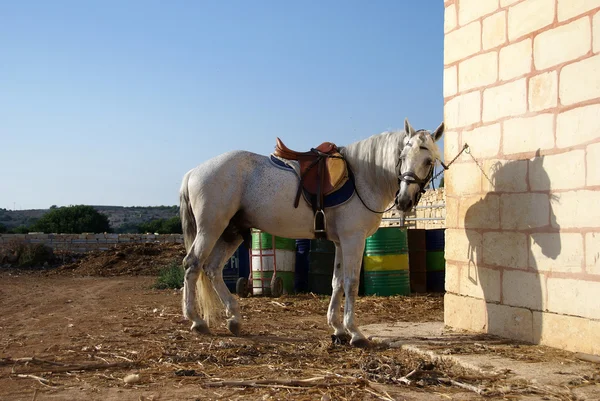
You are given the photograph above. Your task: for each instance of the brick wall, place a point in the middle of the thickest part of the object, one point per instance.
(88, 242)
(522, 88)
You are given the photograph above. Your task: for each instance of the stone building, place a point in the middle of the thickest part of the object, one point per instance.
(522, 88)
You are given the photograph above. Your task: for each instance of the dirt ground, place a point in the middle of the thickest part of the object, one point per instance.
(70, 334)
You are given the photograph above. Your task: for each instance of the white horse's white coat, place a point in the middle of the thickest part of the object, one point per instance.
(225, 196)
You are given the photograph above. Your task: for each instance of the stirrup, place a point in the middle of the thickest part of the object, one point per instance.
(324, 229)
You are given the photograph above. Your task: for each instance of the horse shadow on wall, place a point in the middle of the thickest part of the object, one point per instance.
(510, 232)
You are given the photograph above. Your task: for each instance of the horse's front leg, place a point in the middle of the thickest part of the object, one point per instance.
(334, 317)
(352, 251)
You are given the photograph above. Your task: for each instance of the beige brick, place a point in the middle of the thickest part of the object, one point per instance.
(462, 42)
(592, 252)
(556, 252)
(524, 211)
(470, 10)
(566, 332)
(528, 134)
(484, 140)
(505, 175)
(478, 71)
(576, 209)
(479, 282)
(505, 100)
(463, 110)
(451, 144)
(478, 212)
(515, 60)
(463, 246)
(463, 178)
(573, 40)
(452, 212)
(494, 30)
(523, 289)
(561, 171)
(465, 313)
(506, 249)
(580, 81)
(593, 169)
(596, 32)
(450, 81)
(529, 16)
(450, 18)
(574, 297)
(543, 91)
(510, 322)
(452, 278)
(568, 9)
(578, 126)
(504, 3)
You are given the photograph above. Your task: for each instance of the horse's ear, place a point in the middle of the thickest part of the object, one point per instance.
(410, 131)
(437, 134)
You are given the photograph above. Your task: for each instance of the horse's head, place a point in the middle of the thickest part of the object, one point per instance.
(417, 160)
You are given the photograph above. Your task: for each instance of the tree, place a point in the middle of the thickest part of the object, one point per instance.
(3, 228)
(73, 220)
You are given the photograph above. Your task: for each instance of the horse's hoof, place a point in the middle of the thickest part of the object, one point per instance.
(234, 327)
(200, 328)
(361, 343)
(340, 339)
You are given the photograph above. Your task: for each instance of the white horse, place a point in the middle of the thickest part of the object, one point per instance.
(223, 198)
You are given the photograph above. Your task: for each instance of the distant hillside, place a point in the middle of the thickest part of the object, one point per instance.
(121, 218)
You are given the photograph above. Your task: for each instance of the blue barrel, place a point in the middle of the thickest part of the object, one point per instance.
(237, 266)
(435, 263)
(435, 239)
(436, 280)
(302, 265)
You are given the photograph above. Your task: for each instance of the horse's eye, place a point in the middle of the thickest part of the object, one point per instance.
(429, 161)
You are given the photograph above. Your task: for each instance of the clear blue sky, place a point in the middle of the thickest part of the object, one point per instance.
(111, 102)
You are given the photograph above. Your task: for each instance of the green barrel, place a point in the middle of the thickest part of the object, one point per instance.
(387, 241)
(321, 260)
(387, 282)
(262, 240)
(435, 261)
(386, 264)
(262, 266)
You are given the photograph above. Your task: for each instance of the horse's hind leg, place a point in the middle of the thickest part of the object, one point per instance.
(334, 314)
(194, 263)
(222, 251)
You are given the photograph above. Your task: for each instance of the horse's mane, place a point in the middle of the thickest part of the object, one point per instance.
(376, 158)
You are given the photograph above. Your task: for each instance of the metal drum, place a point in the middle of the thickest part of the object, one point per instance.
(386, 267)
(263, 259)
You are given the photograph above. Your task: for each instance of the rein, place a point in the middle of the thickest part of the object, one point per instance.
(410, 178)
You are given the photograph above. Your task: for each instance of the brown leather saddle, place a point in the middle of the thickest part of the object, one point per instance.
(323, 170)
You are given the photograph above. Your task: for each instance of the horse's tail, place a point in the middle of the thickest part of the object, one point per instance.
(207, 300)
(188, 222)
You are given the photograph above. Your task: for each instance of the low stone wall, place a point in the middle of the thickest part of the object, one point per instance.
(88, 242)
(436, 202)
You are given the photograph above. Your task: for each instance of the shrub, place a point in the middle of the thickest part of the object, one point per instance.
(162, 226)
(22, 254)
(171, 276)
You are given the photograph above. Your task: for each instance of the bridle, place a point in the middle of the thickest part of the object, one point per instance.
(410, 177)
